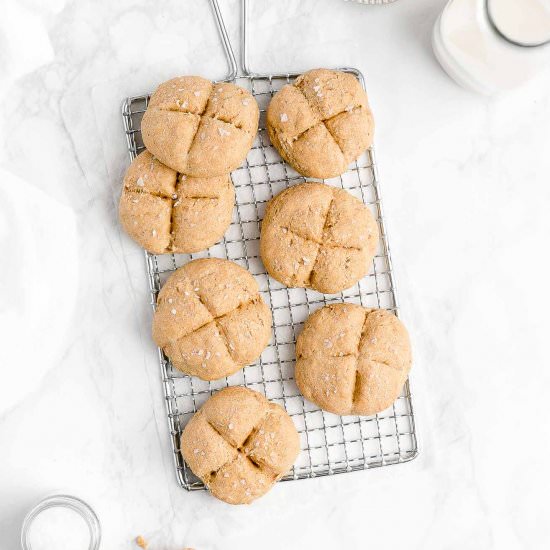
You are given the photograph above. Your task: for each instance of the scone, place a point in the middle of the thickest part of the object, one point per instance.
(210, 318)
(321, 122)
(164, 211)
(240, 444)
(199, 128)
(317, 236)
(352, 360)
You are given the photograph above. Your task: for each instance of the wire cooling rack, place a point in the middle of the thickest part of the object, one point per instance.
(329, 444)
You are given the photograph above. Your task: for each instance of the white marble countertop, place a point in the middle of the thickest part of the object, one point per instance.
(466, 195)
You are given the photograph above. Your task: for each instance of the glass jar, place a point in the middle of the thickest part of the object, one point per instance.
(90, 533)
(492, 46)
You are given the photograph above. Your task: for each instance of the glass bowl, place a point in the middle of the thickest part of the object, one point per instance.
(63, 501)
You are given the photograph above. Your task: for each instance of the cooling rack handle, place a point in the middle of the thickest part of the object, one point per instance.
(231, 59)
(244, 38)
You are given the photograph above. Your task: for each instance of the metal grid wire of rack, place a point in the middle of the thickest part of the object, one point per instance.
(329, 444)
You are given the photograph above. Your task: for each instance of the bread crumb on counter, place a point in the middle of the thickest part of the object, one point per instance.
(142, 543)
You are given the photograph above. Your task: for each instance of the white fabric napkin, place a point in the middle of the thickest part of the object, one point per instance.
(38, 284)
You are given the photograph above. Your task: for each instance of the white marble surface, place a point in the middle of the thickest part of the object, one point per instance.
(466, 196)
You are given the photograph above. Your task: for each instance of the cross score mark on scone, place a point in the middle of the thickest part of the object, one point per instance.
(239, 444)
(352, 360)
(314, 235)
(165, 211)
(199, 128)
(321, 122)
(210, 318)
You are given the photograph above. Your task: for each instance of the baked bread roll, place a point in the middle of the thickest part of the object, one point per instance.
(239, 444)
(314, 235)
(166, 212)
(321, 122)
(199, 128)
(210, 318)
(352, 360)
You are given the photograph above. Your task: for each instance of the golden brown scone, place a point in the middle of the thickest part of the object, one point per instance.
(352, 360)
(240, 444)
(210, 318)
(164, 211)
(321, 122)
(318, 236)
(199, 128)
